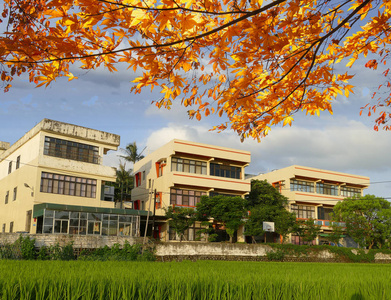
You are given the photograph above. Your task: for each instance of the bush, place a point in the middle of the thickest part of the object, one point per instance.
(277, 255)
(22, 248)
(27, 247)
(117, 253)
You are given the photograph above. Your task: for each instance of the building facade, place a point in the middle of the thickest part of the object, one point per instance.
(179, 173)
(312, 193)
(52, 181)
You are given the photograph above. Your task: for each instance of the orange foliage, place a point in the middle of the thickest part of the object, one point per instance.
(256, 62)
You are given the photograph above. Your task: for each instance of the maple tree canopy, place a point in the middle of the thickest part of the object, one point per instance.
(255, 62)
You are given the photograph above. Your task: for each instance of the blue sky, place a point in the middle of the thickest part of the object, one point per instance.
(102, 100)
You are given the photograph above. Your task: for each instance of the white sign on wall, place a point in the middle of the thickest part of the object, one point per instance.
(268, 226)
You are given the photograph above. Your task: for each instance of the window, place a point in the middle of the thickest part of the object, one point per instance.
(137, 204)
(303, 211)
(68, 185)
(324, 213)
(18, 162)
(185, 197)
(82, 223)
(6, 197)
(137, 178)
(327, 189)
(350, 191)
(10, 167)
(302, 186)
(188, 165)
(15, 193)
(143, 175)
(11, 227)
(3, 229)
(278, 185)
(225, 171)
(94, 224)
(71, 150)
(159, 168)
(159, 199)
(194, 233)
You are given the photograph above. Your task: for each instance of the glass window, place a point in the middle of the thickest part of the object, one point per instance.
(188, 165)
(49, 213)
(6, 197)
(61, 215)
(61, 226)
(194, 233)
(71, 150)
(10, 167)
(303, 211)
(327, 189)
(350, 191)
(17, 162)
(185, 197)
(302, 185)
(225, 171)
(68, 185)
(15, 193)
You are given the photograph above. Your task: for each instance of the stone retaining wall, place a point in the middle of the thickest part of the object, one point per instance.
(79, 241)
(250, 252)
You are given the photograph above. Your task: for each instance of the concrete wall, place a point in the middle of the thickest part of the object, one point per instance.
(253, 252)
(64, 239)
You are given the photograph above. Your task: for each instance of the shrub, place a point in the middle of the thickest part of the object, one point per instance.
(277, 255)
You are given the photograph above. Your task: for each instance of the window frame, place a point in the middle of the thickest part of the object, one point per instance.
(17, 162)
(71, 150)
(185, 197)
(60, 184)
(6, 199)
(187, 165)
(15, 193)
(303, 211)
(298, 185)
(225, 170)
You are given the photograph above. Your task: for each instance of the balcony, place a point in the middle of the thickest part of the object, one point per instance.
(328, 223)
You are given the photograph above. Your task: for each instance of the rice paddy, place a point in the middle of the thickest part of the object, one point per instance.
(192, 280)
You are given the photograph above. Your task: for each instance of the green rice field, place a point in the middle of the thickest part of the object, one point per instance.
(192, 280)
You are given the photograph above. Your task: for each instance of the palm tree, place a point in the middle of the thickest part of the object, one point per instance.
(131, 153)
(124, 182)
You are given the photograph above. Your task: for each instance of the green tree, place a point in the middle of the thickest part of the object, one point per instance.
(263, 193)
(131, 153)
(367, 218)
(338, 231)
(180, 219)
(268, 205)
(228, 211)
(124, 182)
(307, 230)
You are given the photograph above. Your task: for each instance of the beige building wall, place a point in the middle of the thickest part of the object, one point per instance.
(155, 172)
(315, 189)
(26, 179)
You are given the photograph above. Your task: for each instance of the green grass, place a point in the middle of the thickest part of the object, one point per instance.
(192, 280)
